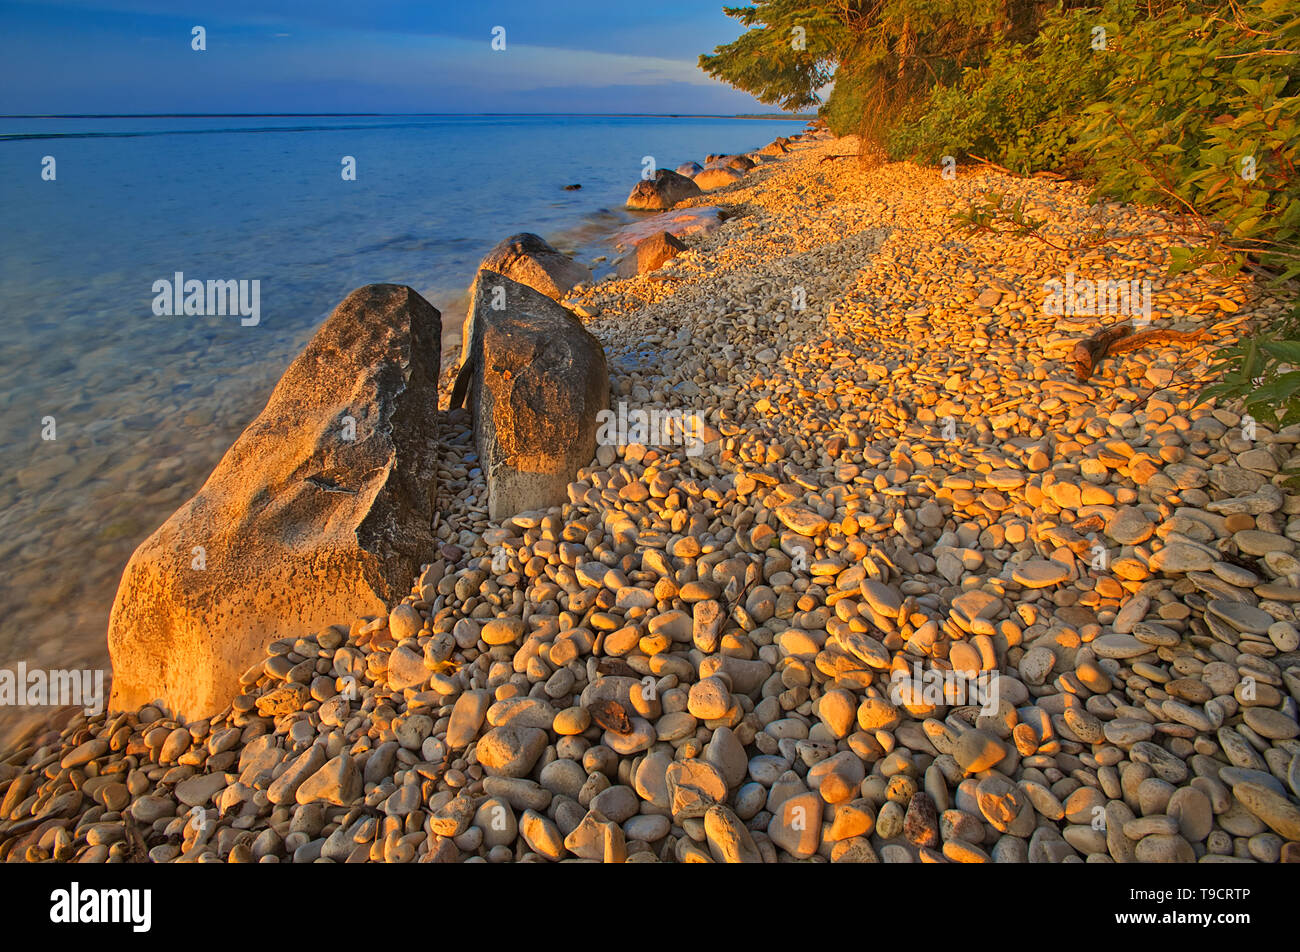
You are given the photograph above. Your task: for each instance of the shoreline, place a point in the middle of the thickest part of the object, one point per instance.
(967, 547)
(159, 467)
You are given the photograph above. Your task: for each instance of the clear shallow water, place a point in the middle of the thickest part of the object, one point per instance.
(144, 406)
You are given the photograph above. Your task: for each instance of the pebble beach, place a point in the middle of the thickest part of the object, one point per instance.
(721, 649)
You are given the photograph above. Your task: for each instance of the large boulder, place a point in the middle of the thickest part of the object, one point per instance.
(321, 511)
(534, 380)
(662, 192)
(775, 147)
(710, 179)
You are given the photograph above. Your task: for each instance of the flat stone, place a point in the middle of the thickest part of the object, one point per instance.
(709, 699)
(510, 751)
(694, 786)
(727, 753)
(1004, 805)
(977, 604)
(1272, 808)
(921, 822)
(1040, 573)
(542, 836)
(801, 519)
(1150, 633)
(596, 836)
(337, 782)
(1130, 526)
(1164, 848)
(1241, 616)
(1239, 750)
(198, 790)
(728, 838)
(837, 778)
(647, 827)
(406, 669)
(617, 803)
(285, 786)
(148, 809)
(1118, 646)
(84, 753)
(467, 716)
(638, 738)
(1194, 813)
(521, 712)
(505, 630)
(1255, 542)
(884, 599)
(796, 826)
(1036, 664)
(837, 709)
(877, 714)
(1270, 723)
(1166, 766)
(1180, 557)
(496, 819)
(976, 751)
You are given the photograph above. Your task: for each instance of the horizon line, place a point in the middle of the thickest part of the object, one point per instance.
(277, 115)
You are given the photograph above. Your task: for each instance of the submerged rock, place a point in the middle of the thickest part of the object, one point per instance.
(702, 220)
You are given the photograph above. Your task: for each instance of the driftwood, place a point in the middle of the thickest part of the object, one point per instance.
(1120, 339)
(843, 155)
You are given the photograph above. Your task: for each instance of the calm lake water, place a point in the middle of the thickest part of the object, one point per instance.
(143, 406)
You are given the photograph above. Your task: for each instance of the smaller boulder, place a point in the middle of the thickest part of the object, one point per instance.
(535, 381)
(662, 192)
(689, 169)
(654, 251)
(651, 253)
(710, 179)
(740, 163)
(535, 263)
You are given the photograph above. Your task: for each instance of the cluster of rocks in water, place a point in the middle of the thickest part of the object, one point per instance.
(725, 654)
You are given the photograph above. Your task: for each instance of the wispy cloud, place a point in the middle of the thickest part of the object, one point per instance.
(135, 56)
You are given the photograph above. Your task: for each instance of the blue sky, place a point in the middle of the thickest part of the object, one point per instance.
(134, 56)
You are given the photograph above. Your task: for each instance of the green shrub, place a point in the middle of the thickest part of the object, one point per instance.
(1020, 108)
(1203, 116)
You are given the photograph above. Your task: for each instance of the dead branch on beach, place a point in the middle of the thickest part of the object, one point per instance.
(844, 155)
(1121, 339)
(1042, 174)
